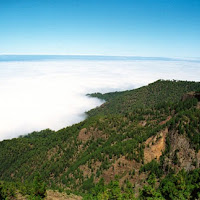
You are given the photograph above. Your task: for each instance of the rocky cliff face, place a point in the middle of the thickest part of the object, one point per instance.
(191, 95)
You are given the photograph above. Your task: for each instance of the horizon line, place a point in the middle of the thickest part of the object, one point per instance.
(103, 55)
(113, 56)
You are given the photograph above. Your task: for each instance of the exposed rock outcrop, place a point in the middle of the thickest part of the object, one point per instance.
(155, 146)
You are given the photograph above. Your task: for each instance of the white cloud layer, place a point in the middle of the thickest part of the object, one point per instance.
(51, 94)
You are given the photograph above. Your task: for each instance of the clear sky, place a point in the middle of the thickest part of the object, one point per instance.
(168, 28)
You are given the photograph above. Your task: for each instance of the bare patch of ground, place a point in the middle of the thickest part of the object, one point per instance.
(165, 121)
(143, 123)
(121, 167)
(87, 171)
(55, 195)
(85, 134)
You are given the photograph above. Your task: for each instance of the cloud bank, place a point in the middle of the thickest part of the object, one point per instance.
(36, 95)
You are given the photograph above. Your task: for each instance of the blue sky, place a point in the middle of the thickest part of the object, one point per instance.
(168, 28)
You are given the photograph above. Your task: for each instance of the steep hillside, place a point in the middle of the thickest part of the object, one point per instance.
(138, 140)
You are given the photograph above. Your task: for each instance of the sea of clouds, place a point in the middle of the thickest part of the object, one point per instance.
(36, 95)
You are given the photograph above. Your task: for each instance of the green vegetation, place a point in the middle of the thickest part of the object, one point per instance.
(32, 191)
(153, 95)
(183, 185)
(152, 167)
(7, 190)
(103, 156)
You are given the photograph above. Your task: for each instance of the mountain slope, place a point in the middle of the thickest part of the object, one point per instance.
(151, 130)
(149, 96)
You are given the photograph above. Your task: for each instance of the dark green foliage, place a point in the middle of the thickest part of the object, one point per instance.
(175, 158)
(111, 191)
(88, 184)
(107, 96)
(158, 94)
(181, 186)
(153, 167)
(39, 187)
(34, 191)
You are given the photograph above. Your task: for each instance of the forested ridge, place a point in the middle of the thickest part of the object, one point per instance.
(140, 144)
